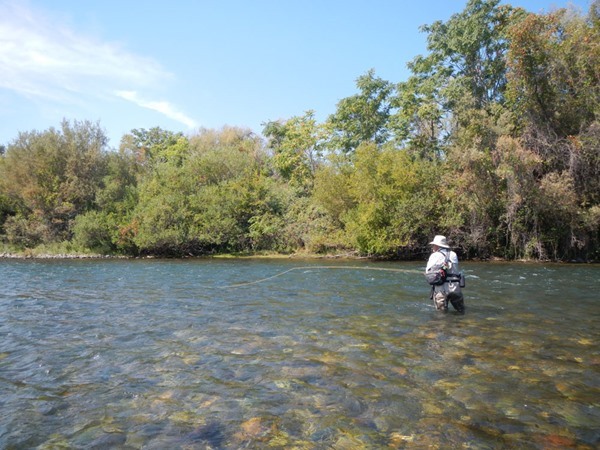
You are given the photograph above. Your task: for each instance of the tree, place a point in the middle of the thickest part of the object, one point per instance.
(155, 145)
(400, 201)
(296, 145)
(107, 228)
(464, 70)
(362, 117)
(332, 191)
(8, 208)
(418, 124)
(470, 49)
(554, 92)
(554, 80)
(475, 191)
(52, 176)
(219, 199)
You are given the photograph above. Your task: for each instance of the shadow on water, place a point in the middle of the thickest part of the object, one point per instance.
(160, 354)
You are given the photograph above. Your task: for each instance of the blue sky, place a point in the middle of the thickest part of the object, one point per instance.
(185, 64)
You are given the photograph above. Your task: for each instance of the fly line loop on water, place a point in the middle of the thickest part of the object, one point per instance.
(385, 269)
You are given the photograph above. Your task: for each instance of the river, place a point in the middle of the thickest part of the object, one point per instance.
(287, 353)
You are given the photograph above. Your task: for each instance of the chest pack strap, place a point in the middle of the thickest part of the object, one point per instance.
(450, 277)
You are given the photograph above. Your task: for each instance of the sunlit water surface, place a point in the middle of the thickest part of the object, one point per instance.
(162, 354)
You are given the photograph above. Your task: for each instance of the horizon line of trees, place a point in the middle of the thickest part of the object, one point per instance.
(493, 140)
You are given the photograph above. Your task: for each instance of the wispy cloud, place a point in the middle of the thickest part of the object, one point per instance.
(161, 106)
(43, 59)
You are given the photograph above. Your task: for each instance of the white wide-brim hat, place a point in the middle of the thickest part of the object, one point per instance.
(440, 241)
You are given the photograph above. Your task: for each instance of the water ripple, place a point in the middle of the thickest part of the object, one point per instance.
(156, 354)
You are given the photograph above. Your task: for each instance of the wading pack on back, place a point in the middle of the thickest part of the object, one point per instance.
(437, 274)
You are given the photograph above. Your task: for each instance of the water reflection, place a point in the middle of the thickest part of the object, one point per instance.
(158, 354)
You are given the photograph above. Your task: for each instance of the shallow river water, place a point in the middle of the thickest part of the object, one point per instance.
(232, 354)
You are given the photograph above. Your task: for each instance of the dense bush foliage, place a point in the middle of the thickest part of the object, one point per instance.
(494, 141)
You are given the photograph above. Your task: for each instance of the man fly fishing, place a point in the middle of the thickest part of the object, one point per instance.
(444, 277)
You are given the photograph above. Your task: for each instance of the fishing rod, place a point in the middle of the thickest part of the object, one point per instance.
(385, 269)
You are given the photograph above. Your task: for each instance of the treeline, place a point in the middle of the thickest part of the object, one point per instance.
(493, 140)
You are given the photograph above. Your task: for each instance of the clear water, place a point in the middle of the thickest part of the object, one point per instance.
(160, 354)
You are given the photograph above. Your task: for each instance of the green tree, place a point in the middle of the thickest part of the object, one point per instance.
(384, 201)
(155, 145)
(418, 124)
(470, 50)
(221, 198)
(332, 190)
(296, 145)
(362, 117)
(399, 201)
(475, 191)
(52, 176)
(8, 208)
(107, 228)
(464, 70)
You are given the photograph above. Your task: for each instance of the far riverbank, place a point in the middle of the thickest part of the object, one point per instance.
(32, 254)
